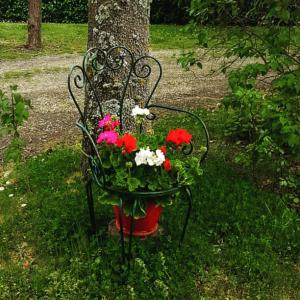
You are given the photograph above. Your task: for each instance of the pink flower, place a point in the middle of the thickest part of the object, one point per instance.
(107, 123)
(109, 136)
(103, 122)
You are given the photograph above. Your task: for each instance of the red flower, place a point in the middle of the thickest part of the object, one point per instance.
(179, 136)
(128, 142)
(163, 149)
(167, 165)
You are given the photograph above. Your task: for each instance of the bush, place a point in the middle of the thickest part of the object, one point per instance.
(161, 12)
(67, 11)
(76, 11)
(245, 13)
(263, 103)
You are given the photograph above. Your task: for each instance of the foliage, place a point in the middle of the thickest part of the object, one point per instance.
(67, 11)
(13, 151)
(76, 11)
(126, 158)
(169, 11)
(241, 243)
(13, 111)
(244, 13)
(263, 104)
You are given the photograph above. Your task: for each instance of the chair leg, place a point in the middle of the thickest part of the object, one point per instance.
(124, 255)
(90, 201)
(190, 199)
(121, 230)
(129, 256)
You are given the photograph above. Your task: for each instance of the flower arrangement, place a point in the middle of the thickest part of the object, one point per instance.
(144, 162)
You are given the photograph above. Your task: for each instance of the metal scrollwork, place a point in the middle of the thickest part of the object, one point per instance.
(151, 116)
(142, 69)
(99, 68)
(121, 61)
(78, 78)
(116, 58)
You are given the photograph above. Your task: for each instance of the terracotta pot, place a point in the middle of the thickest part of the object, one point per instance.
(143, 226)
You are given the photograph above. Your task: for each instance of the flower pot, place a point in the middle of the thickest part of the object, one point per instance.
(143, 226)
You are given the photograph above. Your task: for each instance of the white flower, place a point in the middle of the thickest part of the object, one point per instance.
(10, 195)
(2, 188)
(138, 111)
(23, 205)
(151, 159)
(148, 157)
(7, 182)
(159, 158)
(142, 156)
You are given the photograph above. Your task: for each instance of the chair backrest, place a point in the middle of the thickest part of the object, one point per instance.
(110, 80)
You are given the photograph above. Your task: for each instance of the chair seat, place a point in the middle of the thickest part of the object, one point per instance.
(143, 194)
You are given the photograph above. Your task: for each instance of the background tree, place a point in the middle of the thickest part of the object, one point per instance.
(34, 24)
(263, 105)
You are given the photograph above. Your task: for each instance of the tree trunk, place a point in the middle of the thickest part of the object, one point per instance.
(117, 23)
(34, 24)
(122, 22)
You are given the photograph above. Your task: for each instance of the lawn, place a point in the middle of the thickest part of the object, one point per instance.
(241, 242)
(72, 38)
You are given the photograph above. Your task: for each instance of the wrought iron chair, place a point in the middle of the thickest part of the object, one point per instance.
(119, 62)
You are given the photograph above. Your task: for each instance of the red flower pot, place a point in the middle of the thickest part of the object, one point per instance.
(143, 226)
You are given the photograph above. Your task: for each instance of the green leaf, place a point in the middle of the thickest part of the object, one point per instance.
(133, 183)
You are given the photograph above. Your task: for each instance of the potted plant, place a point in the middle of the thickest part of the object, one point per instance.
(139, 162)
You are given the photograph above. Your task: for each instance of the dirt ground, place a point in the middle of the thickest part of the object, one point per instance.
(52, 119)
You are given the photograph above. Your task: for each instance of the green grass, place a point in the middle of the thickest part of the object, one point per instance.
(72, 38)
(241, 243)
(31, 72)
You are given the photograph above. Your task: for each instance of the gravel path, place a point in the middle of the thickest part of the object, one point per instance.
(53, 116)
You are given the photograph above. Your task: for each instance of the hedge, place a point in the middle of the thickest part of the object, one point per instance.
(75, 11)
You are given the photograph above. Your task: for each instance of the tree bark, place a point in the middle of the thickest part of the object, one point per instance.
(34, 24)
(117, 23)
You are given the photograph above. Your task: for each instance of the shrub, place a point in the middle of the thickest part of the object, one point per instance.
(262, 106)
(76, 11)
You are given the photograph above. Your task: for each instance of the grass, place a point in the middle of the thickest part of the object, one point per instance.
(28, 73)
(72, 39)
(241, 243)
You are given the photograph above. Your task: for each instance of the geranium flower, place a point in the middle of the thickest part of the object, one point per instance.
(159, 157)
(148, 157)
(128, 142)
(167, 165)
(138, 111)
(109, 136)
(142, 156)
(163, 149)
(107, 123)
(179, 136)
(103, 122)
